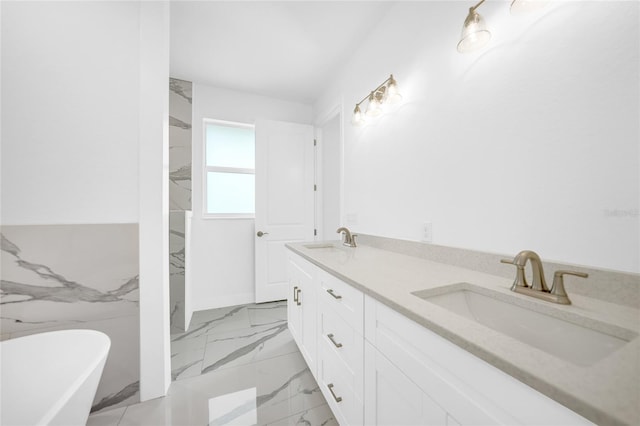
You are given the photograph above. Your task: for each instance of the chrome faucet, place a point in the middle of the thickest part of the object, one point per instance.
(539, 288)
(349, 239)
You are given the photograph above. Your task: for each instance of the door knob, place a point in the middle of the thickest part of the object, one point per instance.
(260, 233)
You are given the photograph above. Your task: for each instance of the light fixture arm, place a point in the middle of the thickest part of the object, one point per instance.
(473, 8)
(373, 92)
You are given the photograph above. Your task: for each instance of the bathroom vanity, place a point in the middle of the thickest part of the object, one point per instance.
(398, 339)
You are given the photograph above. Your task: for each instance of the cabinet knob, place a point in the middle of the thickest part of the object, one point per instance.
(260, 233)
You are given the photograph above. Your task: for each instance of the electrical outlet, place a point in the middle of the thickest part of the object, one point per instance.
(427, 232)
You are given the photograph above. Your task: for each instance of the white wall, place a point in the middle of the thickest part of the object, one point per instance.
(84, 129)
(153, 134)
(532, 143)
(69, 126)
(223, 250)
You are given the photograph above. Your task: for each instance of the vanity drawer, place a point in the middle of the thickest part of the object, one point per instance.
(341, 389)
(343, 299)
(340, 338)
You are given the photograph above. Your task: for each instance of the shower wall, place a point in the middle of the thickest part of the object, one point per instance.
(180, 120)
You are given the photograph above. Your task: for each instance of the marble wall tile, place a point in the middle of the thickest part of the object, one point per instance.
(180, 120)
(57, 277)
(177, 269)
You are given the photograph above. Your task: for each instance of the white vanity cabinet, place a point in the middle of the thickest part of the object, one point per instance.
(341, 348)
(376, 366)
(326, 320)
(302, 307)
(458, 385)
(401, 354)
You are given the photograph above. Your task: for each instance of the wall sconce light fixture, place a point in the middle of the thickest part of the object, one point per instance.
(474, 30)
(385, 94)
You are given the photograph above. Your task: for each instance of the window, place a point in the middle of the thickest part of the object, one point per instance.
(229, 169)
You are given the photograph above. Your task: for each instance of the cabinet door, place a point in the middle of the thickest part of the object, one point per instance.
(301, 307)
(308, 314)
(294, 319)
(392, 399)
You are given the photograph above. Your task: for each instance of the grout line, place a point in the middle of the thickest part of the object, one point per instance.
(122, 415)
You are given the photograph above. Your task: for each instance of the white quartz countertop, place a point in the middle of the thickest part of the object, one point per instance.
(607, 392)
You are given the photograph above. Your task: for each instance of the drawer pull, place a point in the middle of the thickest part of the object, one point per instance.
(298, 302)
(295, 294)
(335, 296)
(337, 398)
(336, 344)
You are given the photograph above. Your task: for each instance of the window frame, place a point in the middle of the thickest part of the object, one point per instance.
(206, 169)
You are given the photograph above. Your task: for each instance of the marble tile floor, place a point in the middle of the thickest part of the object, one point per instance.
(233, 366)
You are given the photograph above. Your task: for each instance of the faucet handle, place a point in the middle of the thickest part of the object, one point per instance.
(509, 261)
(557, 288)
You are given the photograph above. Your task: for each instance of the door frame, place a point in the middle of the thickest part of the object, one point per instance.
(337, 110)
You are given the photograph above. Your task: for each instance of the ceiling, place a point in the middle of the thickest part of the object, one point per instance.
(286, 49)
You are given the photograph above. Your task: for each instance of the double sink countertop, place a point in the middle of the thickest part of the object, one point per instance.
(605, 392)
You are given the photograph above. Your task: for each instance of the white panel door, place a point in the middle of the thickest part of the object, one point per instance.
(284, 200)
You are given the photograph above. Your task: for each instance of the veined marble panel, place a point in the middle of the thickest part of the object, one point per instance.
(285, 394)
(177, 269)
(180, 120)
(232, 336)
(284, 388)
(57, 277)
(268, 385)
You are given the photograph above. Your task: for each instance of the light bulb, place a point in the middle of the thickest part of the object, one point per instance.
(392, 95)
(374, 108)
(474, 33)
(358, 118)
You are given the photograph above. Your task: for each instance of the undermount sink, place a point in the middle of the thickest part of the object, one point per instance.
(559, 336)
(319, 246)
(323, 247)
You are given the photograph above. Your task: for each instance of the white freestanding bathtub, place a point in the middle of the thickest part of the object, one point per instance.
(51, 378)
